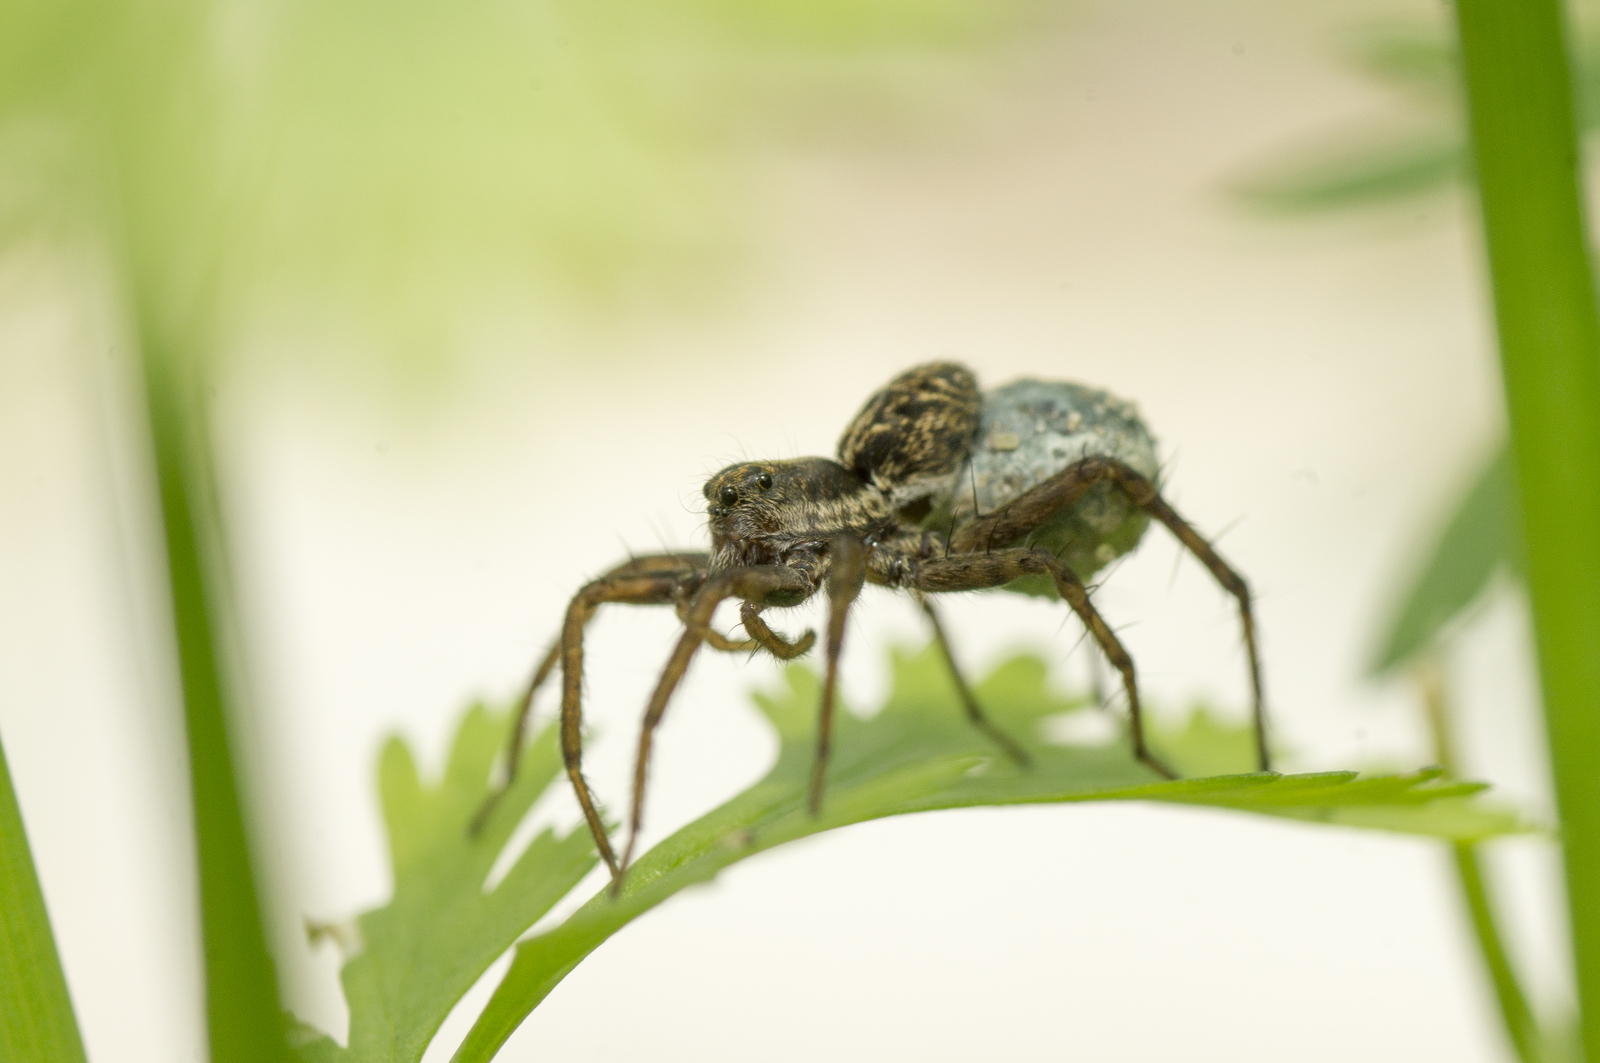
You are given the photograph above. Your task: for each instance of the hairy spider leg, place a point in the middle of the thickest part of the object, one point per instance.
(519, 730)
(752, 583)
(690, 569)
(968, 701)
(1011, 521)
(631, 589)
(972, 572)
(847, 571)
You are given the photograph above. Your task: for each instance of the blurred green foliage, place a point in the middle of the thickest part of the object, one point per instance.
(246, 165)
(36, 1018)
(305, 176)
(1529, 175)
(1480, 538)
(292, 164)
(1410, 150)
(1520, 143)
(442, 928)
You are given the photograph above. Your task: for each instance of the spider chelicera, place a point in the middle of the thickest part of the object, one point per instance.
(893, 511)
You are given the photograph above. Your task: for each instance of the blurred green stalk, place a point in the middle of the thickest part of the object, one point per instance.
(1521, 1026)
(1518, 1018)
(242, 1010)
(36, 1020)
(1526, 153)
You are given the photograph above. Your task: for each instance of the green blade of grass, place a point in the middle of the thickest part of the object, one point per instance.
(36, 1020)
(1525, 147)
(241, 986)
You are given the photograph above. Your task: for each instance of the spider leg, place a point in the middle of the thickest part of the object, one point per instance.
(519, 726)
(972, 572)
(847, 571)
(770, 640)
(656, 579)
(1144, 494)
(968, 701)
(519, 731)
(1016, 518)
(632, 589)
(688, 569)
(754, 583)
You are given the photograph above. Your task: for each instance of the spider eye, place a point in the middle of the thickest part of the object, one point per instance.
(765, 480)
(729, 495)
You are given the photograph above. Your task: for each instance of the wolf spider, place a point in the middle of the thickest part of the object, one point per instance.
(781, 531)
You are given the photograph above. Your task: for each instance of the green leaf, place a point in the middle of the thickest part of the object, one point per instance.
(418, 954)
(919, 754)
(1481, 537)
(1375, 164)
(423, 950)
(1409, 58)
(1363, 171)
(36, 1020)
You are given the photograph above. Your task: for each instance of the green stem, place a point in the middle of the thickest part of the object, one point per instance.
(36, 1020)
(242, 1011)
(1526, 154)
(1520, 1024)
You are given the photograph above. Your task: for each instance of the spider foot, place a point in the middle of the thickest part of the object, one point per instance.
(485, 810)
(1154, 763)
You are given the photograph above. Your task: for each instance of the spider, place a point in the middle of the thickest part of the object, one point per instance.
(893, 510)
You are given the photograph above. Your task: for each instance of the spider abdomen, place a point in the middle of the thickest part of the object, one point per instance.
(1031, 430)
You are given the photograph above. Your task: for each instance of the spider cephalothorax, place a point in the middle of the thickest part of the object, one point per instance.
(786, 512)
(893, 511)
